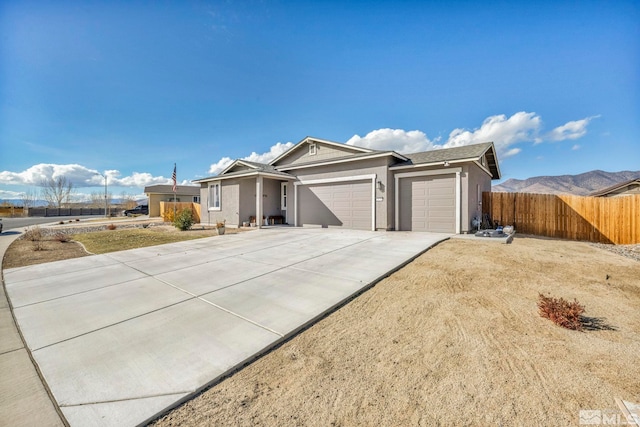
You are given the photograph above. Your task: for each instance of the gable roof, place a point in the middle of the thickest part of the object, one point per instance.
(256, 169)
(615, 187)
(465, 153)
(252, 165)
(310, 139)
(191, 190)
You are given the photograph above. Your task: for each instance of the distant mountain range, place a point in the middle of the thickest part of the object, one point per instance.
(42, 203)
(579, 185)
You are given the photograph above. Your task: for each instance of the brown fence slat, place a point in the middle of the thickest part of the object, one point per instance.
(595, 219)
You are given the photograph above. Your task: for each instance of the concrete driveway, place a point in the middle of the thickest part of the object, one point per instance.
(121, 337)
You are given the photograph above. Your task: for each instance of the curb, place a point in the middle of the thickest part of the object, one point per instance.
(25, 399)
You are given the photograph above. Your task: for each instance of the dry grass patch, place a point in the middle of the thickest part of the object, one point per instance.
(454, 338)
(101, 242)
(36, 248)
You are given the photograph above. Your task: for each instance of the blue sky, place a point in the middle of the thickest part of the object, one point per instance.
(130, 88)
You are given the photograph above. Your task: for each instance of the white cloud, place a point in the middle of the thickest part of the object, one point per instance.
(571, 130)
(7, 194)
(220, 165)
(80, 176)
(397, 140)
(273, 152)
(511, 152)
(505, 132)
(576, 147)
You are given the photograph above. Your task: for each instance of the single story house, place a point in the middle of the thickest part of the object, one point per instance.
(164, 193)
(329, 184)
(627, 188)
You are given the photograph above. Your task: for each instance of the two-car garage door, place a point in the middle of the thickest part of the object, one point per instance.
(341, 204)
(427, 203)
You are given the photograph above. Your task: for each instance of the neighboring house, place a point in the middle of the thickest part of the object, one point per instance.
(164, 193)
(627, 188)
(329, 184)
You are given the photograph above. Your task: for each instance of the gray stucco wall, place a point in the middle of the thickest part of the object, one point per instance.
(323, 152)
(474, 180)
(229, 203)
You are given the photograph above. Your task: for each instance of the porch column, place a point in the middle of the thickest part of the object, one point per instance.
(259, 221)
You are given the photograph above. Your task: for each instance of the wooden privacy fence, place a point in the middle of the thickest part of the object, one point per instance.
(195, 208)
(594, 219)
(11, 211)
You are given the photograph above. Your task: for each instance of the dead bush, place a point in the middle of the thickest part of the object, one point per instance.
(61, 237)
(561, 312)
(33, 234)
(111, 227)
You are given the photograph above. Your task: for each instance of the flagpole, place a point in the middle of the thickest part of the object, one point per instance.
(174, 176)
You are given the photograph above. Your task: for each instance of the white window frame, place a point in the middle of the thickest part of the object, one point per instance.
(313, 149)
(283, 196)
(196, 199)
(214, 188)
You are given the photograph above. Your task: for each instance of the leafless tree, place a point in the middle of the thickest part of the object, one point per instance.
(127, 201)
(97, 199)
(57, 191)
(29, 198)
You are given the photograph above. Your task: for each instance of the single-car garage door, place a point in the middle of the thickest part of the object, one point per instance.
(345, 204)
(427, 203)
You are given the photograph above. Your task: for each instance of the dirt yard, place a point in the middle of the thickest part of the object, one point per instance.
(454, 338)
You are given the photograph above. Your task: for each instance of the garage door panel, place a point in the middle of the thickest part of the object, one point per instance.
(346, 204)
(428, 203)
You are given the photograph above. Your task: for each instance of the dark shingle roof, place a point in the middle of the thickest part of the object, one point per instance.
(449, 154)
(612, 188)
(259, 167)
(466, 152)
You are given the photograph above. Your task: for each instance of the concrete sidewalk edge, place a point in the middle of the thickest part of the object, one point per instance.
(25, 398)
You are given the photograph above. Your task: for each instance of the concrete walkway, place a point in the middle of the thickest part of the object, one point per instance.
(121, 337)
(24, 401)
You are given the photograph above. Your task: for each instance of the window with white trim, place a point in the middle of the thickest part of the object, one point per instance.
(283, 196)
(196, 199)
(214, 196)
(313, 149)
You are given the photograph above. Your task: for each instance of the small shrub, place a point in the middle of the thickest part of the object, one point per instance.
(77, 219)
(38, 245)
(111, 227)
(221, 224)
(61, 237)
(184, 219)
(60, 222)
(561, 312)
(33, 234)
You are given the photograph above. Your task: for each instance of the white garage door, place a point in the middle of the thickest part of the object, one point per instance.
(346, 204)
(428, 203)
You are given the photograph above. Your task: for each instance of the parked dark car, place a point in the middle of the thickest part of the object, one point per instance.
(138, 210)
(0, 225)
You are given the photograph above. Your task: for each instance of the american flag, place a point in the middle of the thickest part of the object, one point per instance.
(173, 178)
